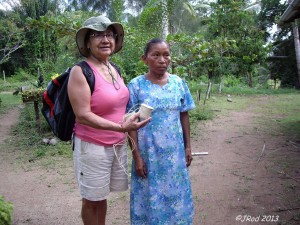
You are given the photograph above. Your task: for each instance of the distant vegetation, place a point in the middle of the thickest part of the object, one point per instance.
(222, 42)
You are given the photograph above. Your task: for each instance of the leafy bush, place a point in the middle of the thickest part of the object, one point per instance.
(200, 113)
(231, 81)
(28, 137)
(6, 209)
(6, 86)
(22, 75)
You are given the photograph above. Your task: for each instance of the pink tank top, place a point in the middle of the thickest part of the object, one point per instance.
(108, 103)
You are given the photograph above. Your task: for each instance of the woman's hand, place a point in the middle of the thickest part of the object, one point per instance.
(188, 156)
(140, 167)
(132, 123)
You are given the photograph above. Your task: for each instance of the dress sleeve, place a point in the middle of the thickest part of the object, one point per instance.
(187, 102)
(132, 104)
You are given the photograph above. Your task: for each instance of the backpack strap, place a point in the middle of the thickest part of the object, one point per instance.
(116, 67)
(88, 73)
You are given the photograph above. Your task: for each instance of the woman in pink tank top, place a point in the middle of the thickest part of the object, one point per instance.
(100, 154)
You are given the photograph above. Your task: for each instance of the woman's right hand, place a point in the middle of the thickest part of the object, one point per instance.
(132, 123)
(140, 167)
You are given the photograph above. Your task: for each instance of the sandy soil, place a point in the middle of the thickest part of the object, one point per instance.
(251, 175)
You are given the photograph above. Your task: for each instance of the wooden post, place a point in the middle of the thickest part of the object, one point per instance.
(297, 47)
(208, 91)
(198, 96)
(37, 115)
(4, 75)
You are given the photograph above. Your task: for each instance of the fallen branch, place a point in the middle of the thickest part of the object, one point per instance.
(199, 153)
(285, 174)
(294, 144)
(289, 209)
(262, 152)
(238, 136)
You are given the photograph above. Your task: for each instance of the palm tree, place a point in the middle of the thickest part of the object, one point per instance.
(163, 9)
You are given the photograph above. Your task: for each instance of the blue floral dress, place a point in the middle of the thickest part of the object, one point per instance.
(165, 196)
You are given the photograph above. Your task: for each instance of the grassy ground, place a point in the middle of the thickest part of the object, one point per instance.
(281, 114)
(283, 107)
(7, 101)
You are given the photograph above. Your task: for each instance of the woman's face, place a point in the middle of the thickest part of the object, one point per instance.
(158, 58)
(102, 43)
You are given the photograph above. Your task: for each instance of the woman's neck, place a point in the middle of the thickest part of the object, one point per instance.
(160, 79)
(96, 61)
(157, 76)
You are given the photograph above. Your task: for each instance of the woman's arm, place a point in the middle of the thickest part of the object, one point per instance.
(139, 164)
(185, 123)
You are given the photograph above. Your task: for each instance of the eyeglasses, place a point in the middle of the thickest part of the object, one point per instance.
(101, 36)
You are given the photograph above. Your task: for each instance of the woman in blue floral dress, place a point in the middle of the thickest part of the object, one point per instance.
(160, 183)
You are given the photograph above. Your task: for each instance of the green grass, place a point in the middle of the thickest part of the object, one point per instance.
(8, 101)
(281, 110)
(29, 140)
(6, 86)
(282, 106)
(282, 114)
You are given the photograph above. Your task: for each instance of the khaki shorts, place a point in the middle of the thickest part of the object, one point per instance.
(98, 170)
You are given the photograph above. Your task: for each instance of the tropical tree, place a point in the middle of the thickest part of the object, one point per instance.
(230, 20)
(11, 37)
(33, 47)
(111, 8)
(157, 15)
(268, 15)
(12, 34)
(282, 59)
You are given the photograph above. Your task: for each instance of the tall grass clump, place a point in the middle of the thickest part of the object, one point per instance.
(8, 101)
(29, 137)
(6, 210)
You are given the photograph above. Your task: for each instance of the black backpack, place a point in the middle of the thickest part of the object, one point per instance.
(57, 108)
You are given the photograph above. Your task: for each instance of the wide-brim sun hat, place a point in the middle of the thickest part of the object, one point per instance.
(99, 23)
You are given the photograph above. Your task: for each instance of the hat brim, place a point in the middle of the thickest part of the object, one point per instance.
(81, 33)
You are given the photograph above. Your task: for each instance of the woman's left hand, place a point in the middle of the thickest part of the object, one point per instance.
(188, 156)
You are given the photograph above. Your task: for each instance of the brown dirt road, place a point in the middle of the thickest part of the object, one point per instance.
(251, 175)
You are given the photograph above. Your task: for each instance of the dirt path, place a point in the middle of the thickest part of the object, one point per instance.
(249, 175)
(247, 172)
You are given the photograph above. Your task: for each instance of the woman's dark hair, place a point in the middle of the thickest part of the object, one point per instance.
(114, 31)
(152, 42)
(87, 36)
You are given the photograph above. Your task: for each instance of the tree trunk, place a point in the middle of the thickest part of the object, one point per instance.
(165, 20)
(250, 79)
(297, 47)
(220, 87)
(220, 74)
(37, 116)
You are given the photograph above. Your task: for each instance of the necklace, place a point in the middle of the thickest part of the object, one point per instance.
(114, 81)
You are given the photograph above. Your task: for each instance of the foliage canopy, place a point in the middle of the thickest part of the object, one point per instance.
(209, 39)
